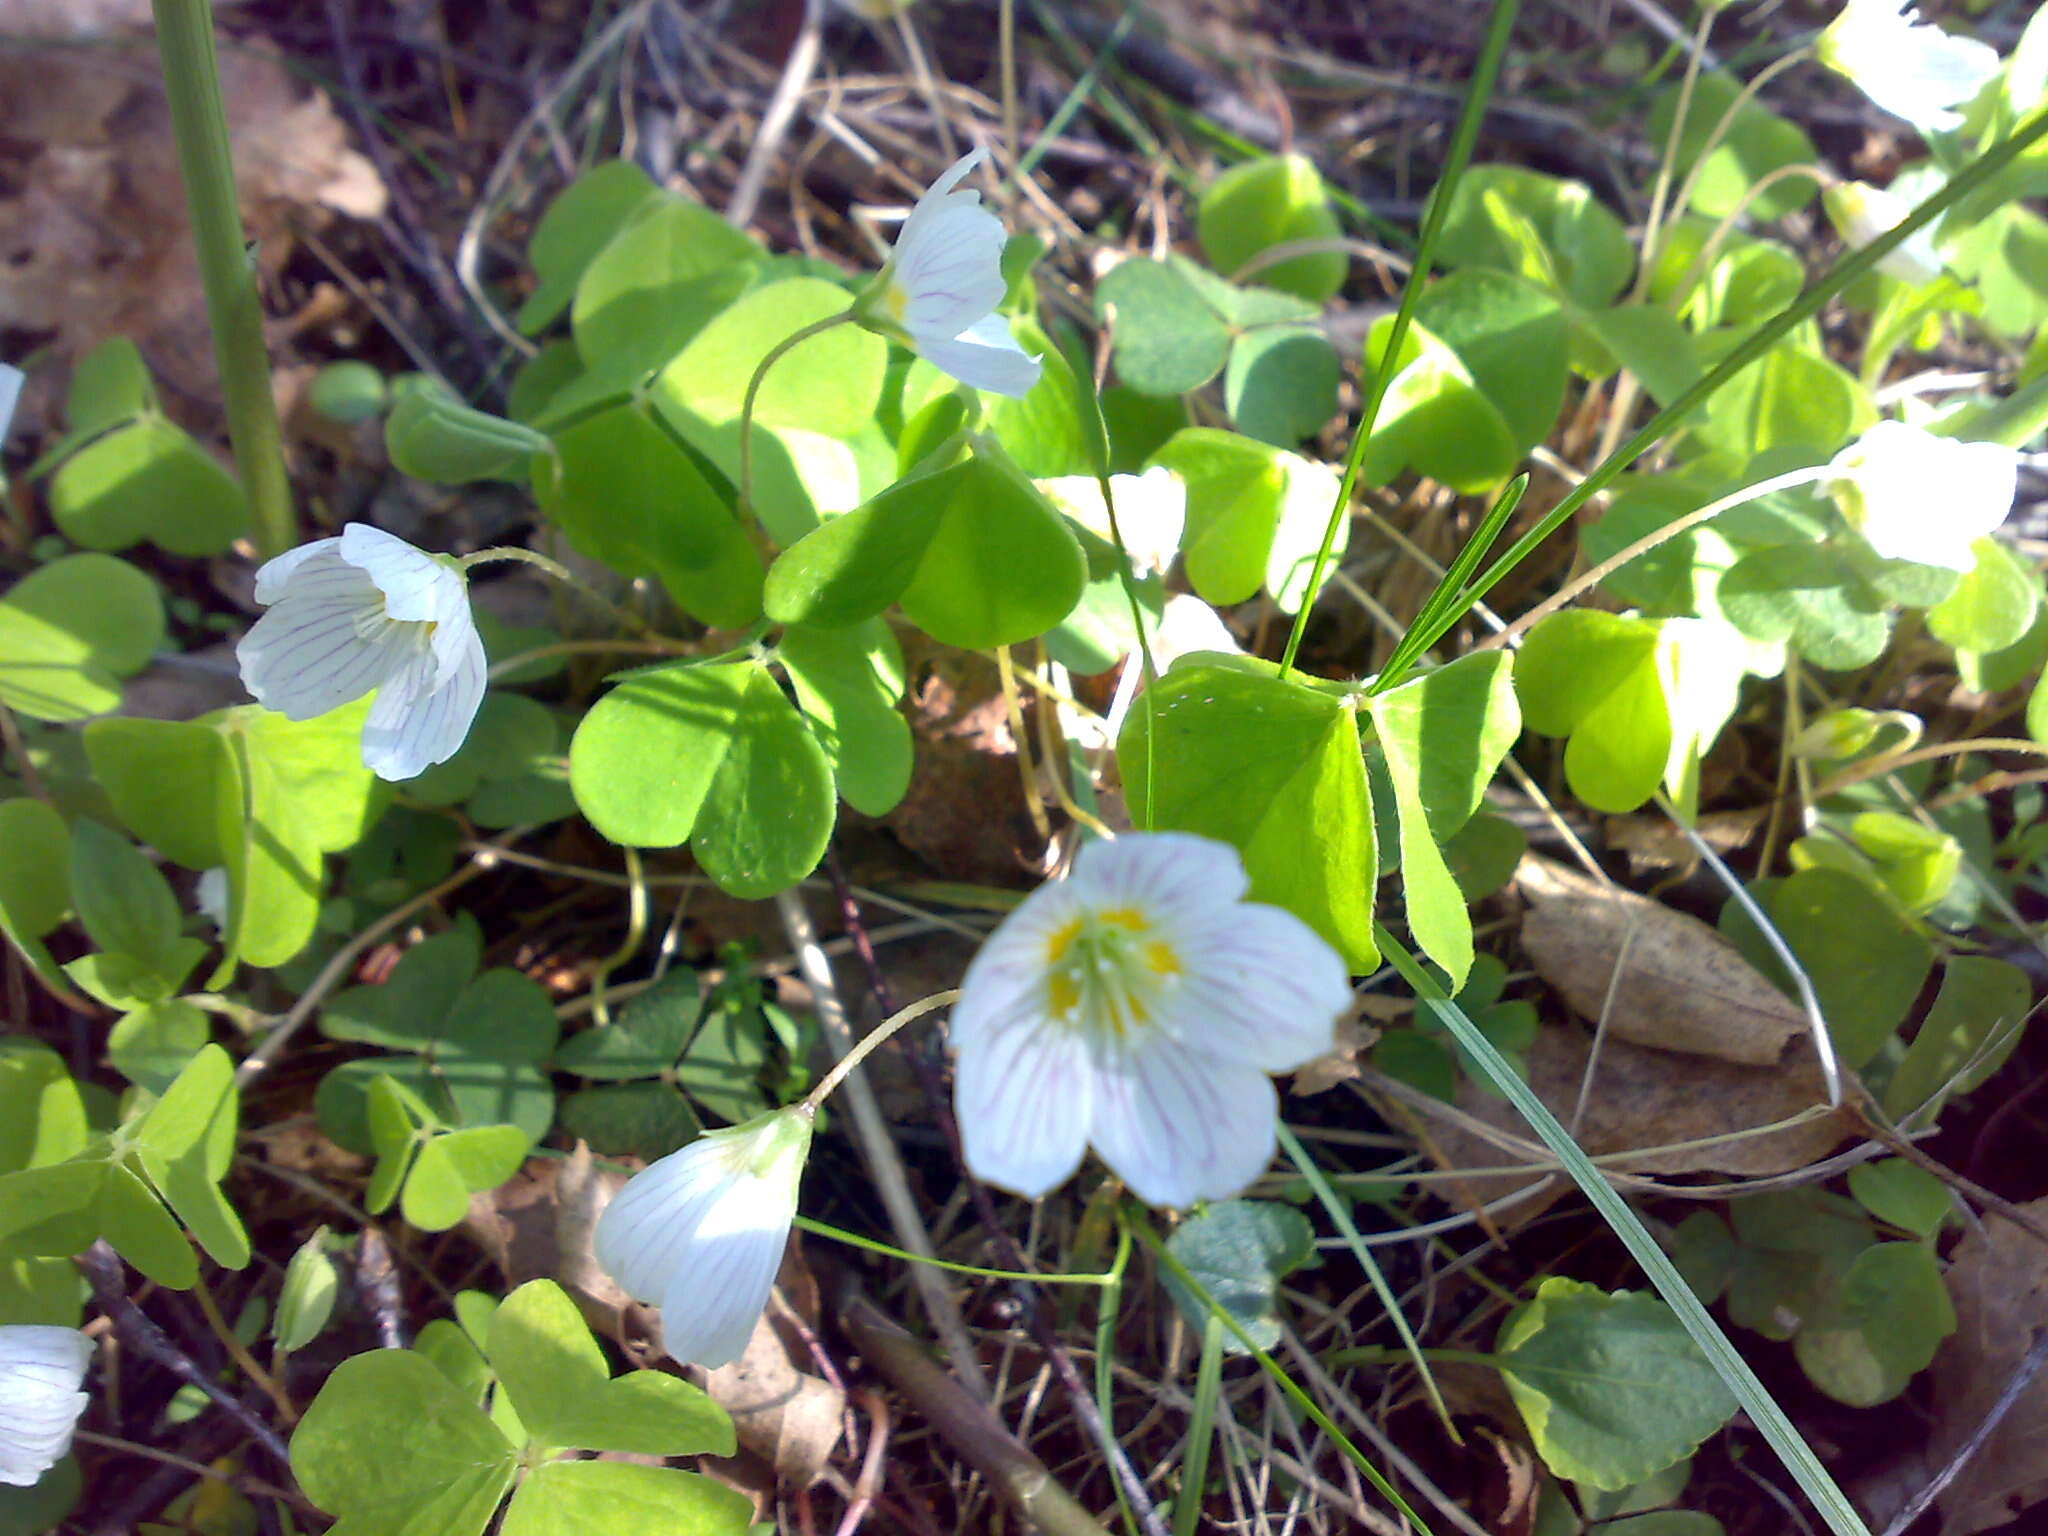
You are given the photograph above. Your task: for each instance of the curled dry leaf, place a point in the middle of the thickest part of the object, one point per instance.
(95, 239)
(1682, 987)
(1999, 1281)
(1641, 1097)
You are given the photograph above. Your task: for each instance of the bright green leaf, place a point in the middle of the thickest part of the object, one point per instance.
(148, 480)
(1273, 201)
(1610, 1385)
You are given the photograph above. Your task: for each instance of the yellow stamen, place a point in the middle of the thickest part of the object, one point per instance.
(1063, 940)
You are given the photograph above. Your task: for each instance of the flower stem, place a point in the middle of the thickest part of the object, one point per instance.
(1649, 541)
(869, 1042)
(775, 353)
(184, 32)
(562, 574)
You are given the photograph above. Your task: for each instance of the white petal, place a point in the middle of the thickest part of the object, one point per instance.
(985, 356)
(702, 1231)
(1173, 877)
(416, 721)
(273, 576)
(415, 585)
(711, 1306)
(1178, 1127)
(304, 658)
(1906, 66)
(951, 273)
(1008, 972)
(1022, 1096)
(1190, 625)
(1262, 987)
(939, 192)
(40, 1402)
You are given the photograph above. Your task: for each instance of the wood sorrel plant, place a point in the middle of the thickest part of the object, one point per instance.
(798, 464)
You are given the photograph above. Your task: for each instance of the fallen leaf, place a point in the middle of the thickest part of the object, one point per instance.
(1999, 1281)
(1682, 987)
(96, 240)
(1340, 1064)
(1641, 1097)
(1658, 842)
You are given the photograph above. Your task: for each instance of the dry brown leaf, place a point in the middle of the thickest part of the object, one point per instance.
(1682, 986)
(1999, 1280)
(1340, 1064)
(95, 239)
(1657, 842)
(1643, 1097)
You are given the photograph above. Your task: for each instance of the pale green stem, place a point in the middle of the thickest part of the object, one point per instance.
(184, 33)
(562, 574)
(867, 1044)
(775, 355)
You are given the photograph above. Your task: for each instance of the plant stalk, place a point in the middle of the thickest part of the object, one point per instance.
(184, 35)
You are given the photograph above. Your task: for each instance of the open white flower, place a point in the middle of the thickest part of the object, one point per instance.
(1916, 496)
(700, 1233)
(943, 283)
(41, 1368)
(1138, 1006)
(1861, 213)
(1906, 66)
(365, 611)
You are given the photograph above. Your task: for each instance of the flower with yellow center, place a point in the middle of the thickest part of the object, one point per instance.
(1138, 1007)
(943, 282)
(700, 1233)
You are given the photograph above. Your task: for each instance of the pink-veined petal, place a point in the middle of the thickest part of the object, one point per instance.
(1178, 1127)
(414, 584)
(303, 659)
(41, 1369)
(951, 273)
(1260, 987)
(938, 193)
(1008, 972)
(1022, 1096)
(416, 721)
(714, 1299)
(1174, 876)
(985, 356)
(274, 575)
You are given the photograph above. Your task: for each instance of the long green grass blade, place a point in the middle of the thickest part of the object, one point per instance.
(1499, 29)
(1756, 1400)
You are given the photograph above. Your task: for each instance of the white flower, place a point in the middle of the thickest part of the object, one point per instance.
(700, 1233)
(40, 1372)
(1915, 496)
(1190, 625)
(368, 611)
(944, 281)
(1861, 213)
(1138, 1006)
(1908, 67)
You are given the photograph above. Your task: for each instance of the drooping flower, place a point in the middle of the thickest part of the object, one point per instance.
(1138, 1007)
(700, 1233)
(362, 611)
(41, 1369)
(1916, 496)
(943, 282)
(1861, 213)
(1909, 67)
